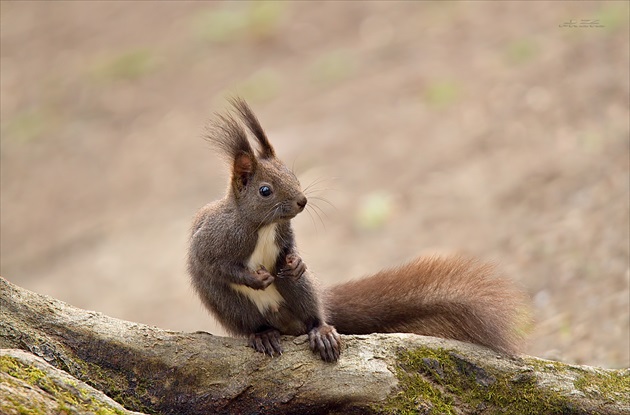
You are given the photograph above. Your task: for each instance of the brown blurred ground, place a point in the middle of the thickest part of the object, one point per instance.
(486, 128)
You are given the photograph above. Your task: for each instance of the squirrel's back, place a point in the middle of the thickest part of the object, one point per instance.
(451, 297)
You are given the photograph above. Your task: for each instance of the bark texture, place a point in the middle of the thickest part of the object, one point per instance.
(58, 359)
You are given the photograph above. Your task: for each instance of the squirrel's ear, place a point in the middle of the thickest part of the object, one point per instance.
(230, 139)
(242, 170)
(247, 115)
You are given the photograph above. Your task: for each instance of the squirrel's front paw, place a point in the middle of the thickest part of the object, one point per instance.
(261, 279)
(267, 342)
(294, 268)
(326, 341)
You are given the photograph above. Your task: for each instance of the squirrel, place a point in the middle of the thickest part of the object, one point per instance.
(245, 266)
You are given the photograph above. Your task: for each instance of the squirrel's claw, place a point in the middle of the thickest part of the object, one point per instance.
(262, 279)
(267, 342)
(326, 341)
(294, 268)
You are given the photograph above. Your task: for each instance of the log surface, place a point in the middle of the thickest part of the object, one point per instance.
(150, 370)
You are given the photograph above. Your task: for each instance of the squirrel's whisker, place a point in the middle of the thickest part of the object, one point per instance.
(313, 210)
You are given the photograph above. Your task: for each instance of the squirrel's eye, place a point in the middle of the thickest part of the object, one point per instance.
(265, 191)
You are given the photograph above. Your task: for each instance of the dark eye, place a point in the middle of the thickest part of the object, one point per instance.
(265, 191)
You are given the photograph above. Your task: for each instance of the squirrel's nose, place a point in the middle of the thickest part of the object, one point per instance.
(301, 202)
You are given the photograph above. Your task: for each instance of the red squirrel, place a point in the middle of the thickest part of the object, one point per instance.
(245, 266)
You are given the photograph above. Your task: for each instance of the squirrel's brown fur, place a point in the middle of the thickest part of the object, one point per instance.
(451, 297)
(244, 264)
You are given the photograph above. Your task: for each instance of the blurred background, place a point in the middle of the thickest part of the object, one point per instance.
(497, 129)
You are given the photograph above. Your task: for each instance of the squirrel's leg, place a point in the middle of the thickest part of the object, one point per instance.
(266, 341)
(325, 340)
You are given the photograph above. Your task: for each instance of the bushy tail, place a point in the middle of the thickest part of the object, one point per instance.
(450, 297)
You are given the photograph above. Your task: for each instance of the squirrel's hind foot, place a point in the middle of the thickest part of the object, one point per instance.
(267, 342)
(325, 340)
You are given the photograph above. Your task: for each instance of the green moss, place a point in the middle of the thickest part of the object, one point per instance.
(432, 380)
(131, 394)
(546, 366)
(417, 395)
(67, 398)
(592, 382)
(106, 382)
(608, 385)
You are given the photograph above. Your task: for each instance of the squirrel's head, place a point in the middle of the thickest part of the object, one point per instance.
(262, 186)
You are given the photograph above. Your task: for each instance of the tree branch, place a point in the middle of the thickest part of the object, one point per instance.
(151, 370)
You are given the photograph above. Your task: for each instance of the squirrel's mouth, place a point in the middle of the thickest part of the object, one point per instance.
(286, 211)
(289, 211)
(287, 215)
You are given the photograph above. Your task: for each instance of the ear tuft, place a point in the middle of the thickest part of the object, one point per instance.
(227, 135)
(247, 115)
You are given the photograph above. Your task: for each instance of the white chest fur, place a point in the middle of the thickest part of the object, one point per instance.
(266, 251)
(265, 254)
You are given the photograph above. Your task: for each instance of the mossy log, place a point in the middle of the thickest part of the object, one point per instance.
(155, 371)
